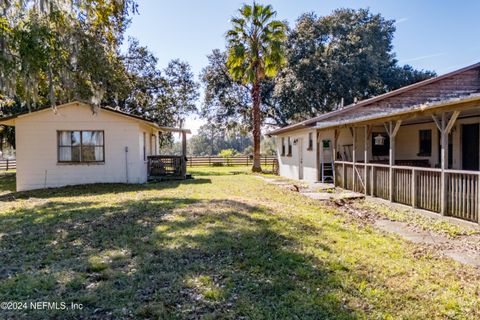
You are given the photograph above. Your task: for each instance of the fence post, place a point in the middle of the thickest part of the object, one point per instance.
(209, 160)
(414, 187)
(7, 166)
(478, 197)
(372, 181)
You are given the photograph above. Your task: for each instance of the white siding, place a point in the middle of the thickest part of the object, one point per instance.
(289, 165)
(36, 139)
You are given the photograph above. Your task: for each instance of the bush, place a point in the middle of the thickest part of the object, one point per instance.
(217, 164)
(227, 154)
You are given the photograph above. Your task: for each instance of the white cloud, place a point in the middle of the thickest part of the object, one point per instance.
(428, 56)
(400, 20)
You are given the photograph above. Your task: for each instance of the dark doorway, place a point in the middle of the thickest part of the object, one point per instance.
(470, 146)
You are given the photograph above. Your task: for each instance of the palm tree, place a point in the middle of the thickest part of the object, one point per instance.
(255, 52)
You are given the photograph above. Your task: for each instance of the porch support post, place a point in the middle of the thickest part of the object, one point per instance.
(392, 130)
(444, 162)
(334, 156)
(478, 198)
(184, 154)
(368, 131)
(336, 134)
(354, 156)
(444, 126)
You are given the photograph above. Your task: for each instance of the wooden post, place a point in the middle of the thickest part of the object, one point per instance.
(334, 150)
(444, 126)
(392, 130)
(478, 197)
(354, 156)
(365, 157)
(344, 182)
(391, 155)
(7, 166)
(184, 154)
(414, 188)
(444, 161)
(372, 181)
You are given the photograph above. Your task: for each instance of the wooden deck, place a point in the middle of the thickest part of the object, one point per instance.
(167, 167)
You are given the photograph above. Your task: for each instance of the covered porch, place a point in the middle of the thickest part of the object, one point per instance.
(427, 157)
(162, 167)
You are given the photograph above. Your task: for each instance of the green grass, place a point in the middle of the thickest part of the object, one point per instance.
(219, 246)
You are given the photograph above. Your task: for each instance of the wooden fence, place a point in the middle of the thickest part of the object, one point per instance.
(229, 161)
(6, 165)
(415, 186)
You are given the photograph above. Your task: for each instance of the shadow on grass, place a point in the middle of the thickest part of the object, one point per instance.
(95, 189)
(7, 182)
(162, 258)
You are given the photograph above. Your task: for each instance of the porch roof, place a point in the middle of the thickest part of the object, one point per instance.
(415, 113)
(456, 87)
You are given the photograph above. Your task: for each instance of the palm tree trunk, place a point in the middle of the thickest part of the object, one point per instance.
(256, 127)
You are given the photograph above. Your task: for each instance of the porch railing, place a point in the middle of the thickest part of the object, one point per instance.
(163, 166)
(415, 186)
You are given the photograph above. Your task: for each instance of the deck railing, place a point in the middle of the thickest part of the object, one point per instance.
(415, 186)
(162, 166)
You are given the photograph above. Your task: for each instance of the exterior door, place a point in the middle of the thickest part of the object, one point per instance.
(300, 159)
(470, 146)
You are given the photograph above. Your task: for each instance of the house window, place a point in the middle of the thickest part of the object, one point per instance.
(289, 147)
(425, 145)
(81, 146)
(144, 146)
(380, 149)
(283, 146)
(310, 141)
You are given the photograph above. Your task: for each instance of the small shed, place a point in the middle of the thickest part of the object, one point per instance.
(76, 143)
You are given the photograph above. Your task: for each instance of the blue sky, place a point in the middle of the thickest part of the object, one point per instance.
(435, 35)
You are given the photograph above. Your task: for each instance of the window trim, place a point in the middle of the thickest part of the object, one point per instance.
(283, 147)
(81, 146)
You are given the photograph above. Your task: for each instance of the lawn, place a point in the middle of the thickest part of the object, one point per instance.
(219, 246)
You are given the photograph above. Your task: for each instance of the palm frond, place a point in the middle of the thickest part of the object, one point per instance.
(255, 44)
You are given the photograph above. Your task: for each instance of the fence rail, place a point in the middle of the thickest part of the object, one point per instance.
(232, 161)
(415, 186)
(6, 165)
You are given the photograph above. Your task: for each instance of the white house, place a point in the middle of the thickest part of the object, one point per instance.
(418, 145)
(79, 144)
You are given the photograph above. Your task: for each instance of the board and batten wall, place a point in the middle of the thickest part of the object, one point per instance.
(37, 154)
